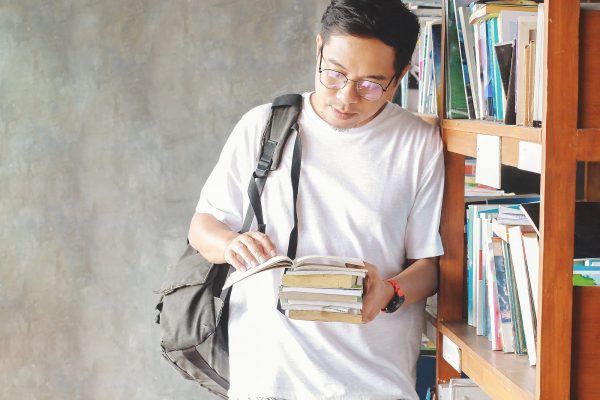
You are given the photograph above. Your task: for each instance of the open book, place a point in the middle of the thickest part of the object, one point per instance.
(327, 264)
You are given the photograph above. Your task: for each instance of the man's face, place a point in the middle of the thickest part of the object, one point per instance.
(359, 59)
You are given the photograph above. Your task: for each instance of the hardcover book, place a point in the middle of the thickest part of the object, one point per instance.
(312, 263)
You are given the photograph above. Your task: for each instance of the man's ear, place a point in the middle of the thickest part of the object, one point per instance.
(319, 42)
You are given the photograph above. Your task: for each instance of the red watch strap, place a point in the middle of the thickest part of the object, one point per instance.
(396, 287)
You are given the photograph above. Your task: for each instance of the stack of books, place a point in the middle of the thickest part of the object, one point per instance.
(315, 288)
(327, 289)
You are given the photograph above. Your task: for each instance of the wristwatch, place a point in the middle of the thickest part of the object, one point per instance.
(397, 300)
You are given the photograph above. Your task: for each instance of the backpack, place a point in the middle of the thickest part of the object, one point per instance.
(193, 308)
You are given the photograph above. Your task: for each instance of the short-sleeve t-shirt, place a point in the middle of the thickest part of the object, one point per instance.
(372, 192)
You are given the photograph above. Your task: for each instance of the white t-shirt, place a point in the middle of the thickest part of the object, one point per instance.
(372, 192)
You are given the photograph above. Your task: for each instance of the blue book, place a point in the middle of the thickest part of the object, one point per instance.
(496, 77)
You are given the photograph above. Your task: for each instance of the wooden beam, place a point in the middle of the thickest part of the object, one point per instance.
(494, 128)
(561, 58)
(451, 296)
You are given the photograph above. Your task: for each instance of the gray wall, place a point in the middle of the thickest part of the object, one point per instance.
(112, 114)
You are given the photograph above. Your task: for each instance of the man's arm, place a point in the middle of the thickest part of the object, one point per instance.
(418, 281)
(219, 244)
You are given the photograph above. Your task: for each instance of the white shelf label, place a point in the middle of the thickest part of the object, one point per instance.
(451, 353)
(530, 157)
(487, 170)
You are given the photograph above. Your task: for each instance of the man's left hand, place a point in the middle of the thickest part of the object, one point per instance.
(378, 294)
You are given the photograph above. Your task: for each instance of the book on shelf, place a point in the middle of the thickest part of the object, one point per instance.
(496, 84)
(506, 328)
(312, 263)
(538, 81)
(526, 32)
(458, 4)
(506, 55)
(436, 42)
(429, 62)
(501, 229)
(531, 248)
(456, 101)
(508, 30)
(512, 215)
(529, 73)
(524, 291)
(484, 12)
(493, 300)
(468, 39)
(519, 345)
(473, 187)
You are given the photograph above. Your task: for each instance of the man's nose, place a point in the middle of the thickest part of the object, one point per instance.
(348, 93)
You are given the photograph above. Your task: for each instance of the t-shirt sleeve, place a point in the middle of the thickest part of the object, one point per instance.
(224, 193)
(422, 230)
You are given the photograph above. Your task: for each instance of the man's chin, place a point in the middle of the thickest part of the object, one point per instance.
(341, 123)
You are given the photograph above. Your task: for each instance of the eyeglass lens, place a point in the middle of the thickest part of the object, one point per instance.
(336, 80)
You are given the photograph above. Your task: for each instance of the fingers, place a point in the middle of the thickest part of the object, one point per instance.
(268, 247)
(376, 294)
(248, 250)
(232, 258)
(369, 313)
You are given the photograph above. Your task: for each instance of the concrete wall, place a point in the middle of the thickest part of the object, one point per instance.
(112, 114)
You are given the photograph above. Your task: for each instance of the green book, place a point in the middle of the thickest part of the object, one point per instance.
(456, 100)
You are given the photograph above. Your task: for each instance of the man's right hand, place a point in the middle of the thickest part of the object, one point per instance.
(219, 244)
(249, 249)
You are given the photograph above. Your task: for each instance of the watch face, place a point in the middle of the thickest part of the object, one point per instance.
(394, 304)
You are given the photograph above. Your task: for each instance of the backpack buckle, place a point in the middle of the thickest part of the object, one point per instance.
(266, 159)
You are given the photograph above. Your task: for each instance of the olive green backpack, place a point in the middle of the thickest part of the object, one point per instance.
(193, 308)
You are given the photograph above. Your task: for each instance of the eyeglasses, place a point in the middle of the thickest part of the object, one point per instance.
(335, 80)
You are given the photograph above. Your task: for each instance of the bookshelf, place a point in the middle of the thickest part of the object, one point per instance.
(568, 356)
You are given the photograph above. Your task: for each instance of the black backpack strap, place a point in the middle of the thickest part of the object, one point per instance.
(295, 175)
(282, 122)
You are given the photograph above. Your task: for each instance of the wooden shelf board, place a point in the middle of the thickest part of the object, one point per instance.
(500, 375)
(494, 128)
(465, 143)
(588, 144)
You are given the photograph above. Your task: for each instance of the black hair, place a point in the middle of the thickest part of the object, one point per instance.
(387, 20)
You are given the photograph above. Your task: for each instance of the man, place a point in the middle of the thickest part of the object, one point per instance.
(370, 187)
